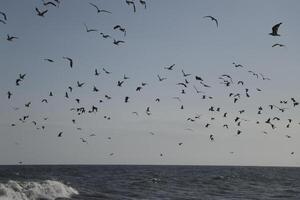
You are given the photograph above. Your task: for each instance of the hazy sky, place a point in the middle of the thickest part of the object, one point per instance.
(167, 32)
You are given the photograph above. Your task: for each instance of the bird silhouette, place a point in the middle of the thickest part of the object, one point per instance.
(99, 10)
(126, 99)
(105, 35)
(160, 78)
(170, 67)
(49, 3)
(95, 89)
(119, 27)
(278, 45)
(106, 72)
(80, 84)
(49, 60)
(120, 83)
(275, 30)
(89, 30)
(96, 72)
(60, 134)
(9, 94)
(11, 38)
(70, 61)
(117, 42)
(213, 19)
(41, 13)
(237, 65)
(131, 3)
(143, 3)
(28, 104)
(4, 15)
(184, 74)
(198, 78)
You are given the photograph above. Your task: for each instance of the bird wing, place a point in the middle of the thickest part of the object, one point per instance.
(94, 6)
(276, 27)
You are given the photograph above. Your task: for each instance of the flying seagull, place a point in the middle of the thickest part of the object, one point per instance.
(60, 134)
(89, 30)
(170, 67)
(213, 19)
(120, 28)
(41, 13)
(275, 30)
(4, 15)
(143, 3)
(11, 38)
(99, 10)
(279, 45)
(117, 42)
(70, 61)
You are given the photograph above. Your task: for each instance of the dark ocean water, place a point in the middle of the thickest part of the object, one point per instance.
(148, 182)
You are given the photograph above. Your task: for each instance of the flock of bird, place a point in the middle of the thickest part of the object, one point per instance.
(190, 83)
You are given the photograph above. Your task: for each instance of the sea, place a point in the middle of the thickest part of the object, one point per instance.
(129, 182)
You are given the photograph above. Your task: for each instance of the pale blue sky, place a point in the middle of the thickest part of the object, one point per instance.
(167, 32)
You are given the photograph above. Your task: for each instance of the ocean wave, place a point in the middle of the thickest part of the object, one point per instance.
(29, 190)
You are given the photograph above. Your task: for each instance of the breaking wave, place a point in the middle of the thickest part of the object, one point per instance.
(50, 190)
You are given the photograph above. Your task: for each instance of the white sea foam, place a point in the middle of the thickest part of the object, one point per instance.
(50, 190)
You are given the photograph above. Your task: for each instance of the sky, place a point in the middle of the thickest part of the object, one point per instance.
(165, 33)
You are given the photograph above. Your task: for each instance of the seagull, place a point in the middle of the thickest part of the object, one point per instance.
(11, 38)
(170, 67)
(120, 83)
(126, 99)
(237, 65)
(184, 74)
(125, 77)
(89, 30)
(41, 13)
(18, 82)
(27, 104)
(9, 94)
(136, 113)
(95, 89)
(22, 76)
(161, 79)
(96, 72)
(279, 45)
(80, 84)
(2, 21)
(4, 15)
(183, 84)
(83, 140)
(49, 60)
(49, 3)
(143, 3)
(105, 35)
(198, 78)
(117, 42)
(211, 137)
(132, 3)
(213, 19)
(107, 72)
(120, 28)
(99, 10)
(198, 91)
(60, 134)
(70, 61)
(275, 30)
